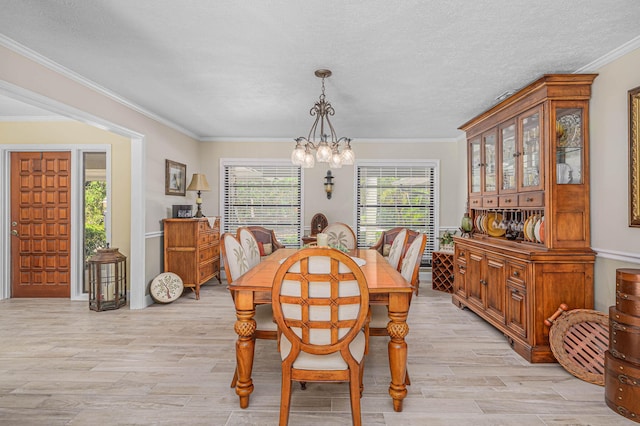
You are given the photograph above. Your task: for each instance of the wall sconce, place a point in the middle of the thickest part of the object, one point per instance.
(328, 184)
(199, 183)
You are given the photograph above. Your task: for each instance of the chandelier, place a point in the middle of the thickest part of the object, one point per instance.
(326, 146)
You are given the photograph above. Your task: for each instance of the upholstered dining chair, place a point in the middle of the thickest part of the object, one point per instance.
(397, 249)
(266, 239)
(340, 234)
(383, 245)
(320, 302)
(236, 264)
(410, 269)
(250, 245)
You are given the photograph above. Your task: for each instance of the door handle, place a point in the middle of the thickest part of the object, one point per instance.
(14, 232)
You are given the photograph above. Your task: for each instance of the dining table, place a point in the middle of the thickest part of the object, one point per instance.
(386, 286)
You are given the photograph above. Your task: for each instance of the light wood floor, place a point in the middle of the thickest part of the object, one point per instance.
(62, 364)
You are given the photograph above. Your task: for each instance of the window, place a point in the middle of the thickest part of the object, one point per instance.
(264, 194)
(401, 194)
(94, 172)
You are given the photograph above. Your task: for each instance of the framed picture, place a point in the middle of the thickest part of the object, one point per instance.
(634, 157)
(175, 178)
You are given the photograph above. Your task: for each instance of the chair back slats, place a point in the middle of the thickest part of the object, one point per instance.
(320, 300)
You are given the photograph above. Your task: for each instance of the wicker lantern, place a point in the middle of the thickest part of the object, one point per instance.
(107, 280)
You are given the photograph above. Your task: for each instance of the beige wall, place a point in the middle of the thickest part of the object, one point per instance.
(341, 206)
(160, 142)
(617, 244)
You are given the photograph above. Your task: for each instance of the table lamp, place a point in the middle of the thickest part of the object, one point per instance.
(198, 183)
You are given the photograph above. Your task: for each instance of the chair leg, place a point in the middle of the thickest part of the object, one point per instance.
(367, 332)
(407, 380)
(361, 377)
(234, 381)
(285, 398)
(354, 393)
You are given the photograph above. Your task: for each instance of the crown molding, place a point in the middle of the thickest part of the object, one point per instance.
(72, 75)
(607, 58)
(353, 141)
(32, 119)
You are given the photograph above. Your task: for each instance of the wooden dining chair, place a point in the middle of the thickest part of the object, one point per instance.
(340, 234)
(383, 245)
(397, 249)
(379, 314)
(250, 245)
(236, 264)
(320, 303)
(265, 238)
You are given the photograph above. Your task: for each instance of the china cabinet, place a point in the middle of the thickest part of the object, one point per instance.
(528, 198)
(192, 250)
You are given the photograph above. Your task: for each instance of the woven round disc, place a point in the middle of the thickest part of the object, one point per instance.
(579, 339)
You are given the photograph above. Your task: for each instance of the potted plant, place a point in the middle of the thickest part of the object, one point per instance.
(446, 240)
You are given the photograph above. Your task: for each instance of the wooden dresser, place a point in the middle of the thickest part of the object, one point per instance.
(528, 197)
(192, 250)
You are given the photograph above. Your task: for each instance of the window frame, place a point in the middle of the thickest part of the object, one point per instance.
(432, 237)
(260, 162)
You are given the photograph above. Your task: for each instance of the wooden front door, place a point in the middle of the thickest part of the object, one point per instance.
(40, 224)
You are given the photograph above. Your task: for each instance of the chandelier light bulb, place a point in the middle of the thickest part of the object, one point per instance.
(298, 154)
(336, 159)
(309, 161)
(348, 158)
(323, 153)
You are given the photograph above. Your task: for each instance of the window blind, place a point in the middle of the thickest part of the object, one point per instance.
(396, 195)
(267, 195)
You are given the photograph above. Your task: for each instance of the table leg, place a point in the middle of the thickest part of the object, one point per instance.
(245, 328)
(398, 329)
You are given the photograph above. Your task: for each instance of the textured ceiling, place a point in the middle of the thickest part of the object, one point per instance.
(244, 69)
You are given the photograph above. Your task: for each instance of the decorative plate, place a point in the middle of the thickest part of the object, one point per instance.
(542, 230)
(531, 228)
(524, 229)
(483, 223)
(493, 230)
(528, 228)
(166, 287)
(536, 230)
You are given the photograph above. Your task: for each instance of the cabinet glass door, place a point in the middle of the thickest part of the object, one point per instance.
(508, 156)
(476, 166)
(569, 146)
(490, 169)
(530, 154)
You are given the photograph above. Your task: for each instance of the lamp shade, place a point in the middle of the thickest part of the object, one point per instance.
(198, 183)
